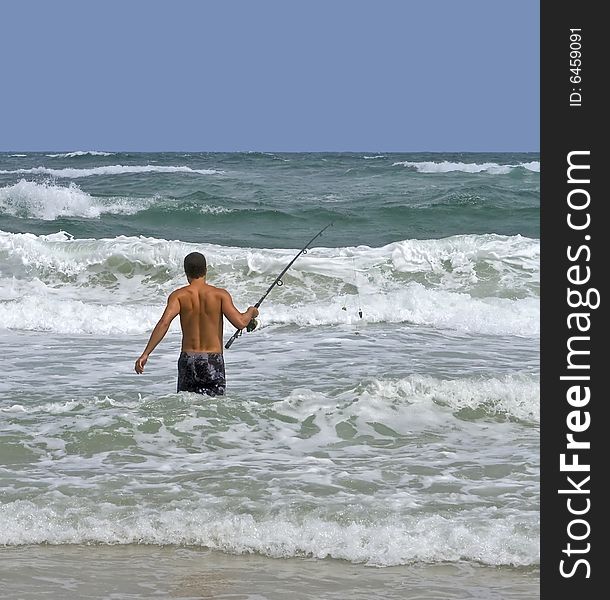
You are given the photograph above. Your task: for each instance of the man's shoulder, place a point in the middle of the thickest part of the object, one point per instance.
(217, 290)
(179, 291)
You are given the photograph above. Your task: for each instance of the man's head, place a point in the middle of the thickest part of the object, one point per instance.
(195, 265)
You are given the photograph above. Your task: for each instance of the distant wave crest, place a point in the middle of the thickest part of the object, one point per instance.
(447, 167)
(112, 170)
(47, 201)
(78, 153)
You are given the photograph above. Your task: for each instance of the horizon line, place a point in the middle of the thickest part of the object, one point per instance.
(275, 151)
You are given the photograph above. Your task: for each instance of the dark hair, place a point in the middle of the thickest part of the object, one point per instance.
(195, 265)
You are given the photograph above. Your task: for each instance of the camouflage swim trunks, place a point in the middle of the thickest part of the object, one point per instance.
(201, 372)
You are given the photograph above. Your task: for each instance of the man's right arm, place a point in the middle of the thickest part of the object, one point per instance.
(238, 319)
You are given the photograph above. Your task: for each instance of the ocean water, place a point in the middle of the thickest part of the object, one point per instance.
(406, 438)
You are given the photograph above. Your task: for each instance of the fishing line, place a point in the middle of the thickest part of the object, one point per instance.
(357, 288)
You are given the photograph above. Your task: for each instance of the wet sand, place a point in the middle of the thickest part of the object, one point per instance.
(142, 572)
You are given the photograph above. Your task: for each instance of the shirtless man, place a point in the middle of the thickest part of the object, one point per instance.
(201, 307)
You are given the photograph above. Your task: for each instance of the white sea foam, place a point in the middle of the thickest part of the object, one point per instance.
(404, 405)
(64, 255)
(59, 315)
(48, 201)
(513, 395)
(531, 166)
(447, 166)
(385, 400)
(460, 255)
(422, 306)
(49, 310)
(376, 156)
(463, 252)
(67, 407)
(81, 153)
(18, 155)
(71, 173)
(214, 210)
(467, 283)
(482, 538)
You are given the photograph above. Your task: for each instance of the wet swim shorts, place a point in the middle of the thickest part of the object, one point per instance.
(201, 372)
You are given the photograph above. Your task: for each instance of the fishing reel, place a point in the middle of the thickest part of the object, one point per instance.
(252, 325)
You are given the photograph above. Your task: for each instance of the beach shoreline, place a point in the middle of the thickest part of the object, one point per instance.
(145, 571)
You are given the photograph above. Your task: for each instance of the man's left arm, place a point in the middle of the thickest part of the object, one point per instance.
(169, 314)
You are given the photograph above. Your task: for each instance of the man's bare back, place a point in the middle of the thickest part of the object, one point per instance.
(201, 312)
(201, 308)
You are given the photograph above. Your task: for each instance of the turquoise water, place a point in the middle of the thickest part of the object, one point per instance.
(407, 436)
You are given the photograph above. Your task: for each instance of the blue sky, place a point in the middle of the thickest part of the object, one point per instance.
(270, 75)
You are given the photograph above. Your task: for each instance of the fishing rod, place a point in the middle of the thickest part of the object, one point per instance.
(278, 281)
